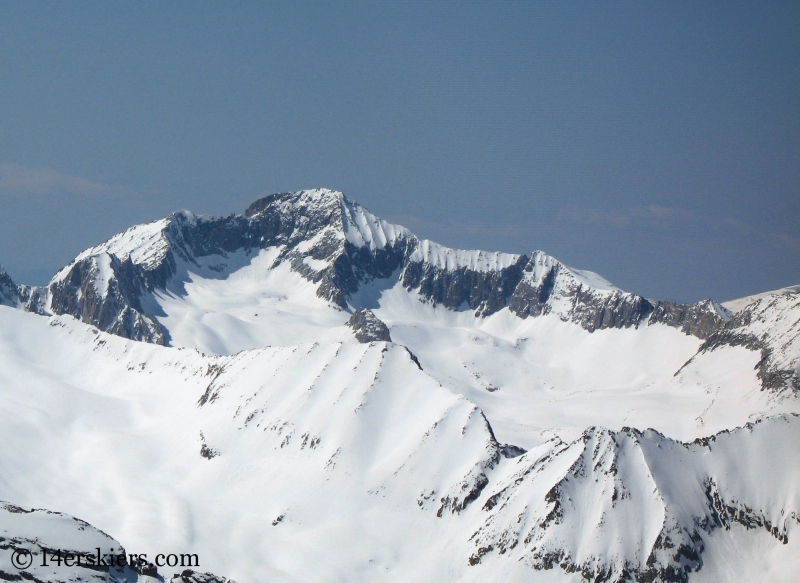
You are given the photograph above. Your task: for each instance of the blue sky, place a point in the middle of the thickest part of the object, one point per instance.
(655, 143)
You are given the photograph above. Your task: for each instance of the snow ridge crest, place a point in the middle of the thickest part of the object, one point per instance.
(338, 245)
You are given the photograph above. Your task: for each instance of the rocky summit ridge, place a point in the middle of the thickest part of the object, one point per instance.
(340, 247)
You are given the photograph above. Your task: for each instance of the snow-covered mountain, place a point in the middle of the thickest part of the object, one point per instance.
(308, 393)
(8, 290)
(144, 284)
(340, 247)
(632, 505)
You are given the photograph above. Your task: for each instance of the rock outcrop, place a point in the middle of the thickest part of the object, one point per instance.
(770, 325)
(660, 498)
(367, 327)
(8, 290)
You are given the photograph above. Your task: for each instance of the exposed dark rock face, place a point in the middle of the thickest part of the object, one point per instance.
(594, 311)
(754, 327)
(338, 245)
(484, 292)
(107, 300)
(547, 286)
(368, 327)
(701, 319)
(8, 290)
(29, 298)
(511, 451)
(34, 299)
(189, 576)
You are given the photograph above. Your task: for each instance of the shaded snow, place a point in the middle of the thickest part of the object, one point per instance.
(452, 259)
(363, 229)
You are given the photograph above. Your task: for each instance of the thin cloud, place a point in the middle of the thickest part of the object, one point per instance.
(737, 225)
(666, 213)
(782, 241)
(635, 215)
(654, 215)
(18, 180)
(787, 242)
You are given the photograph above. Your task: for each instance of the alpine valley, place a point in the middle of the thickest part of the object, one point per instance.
(307, 393)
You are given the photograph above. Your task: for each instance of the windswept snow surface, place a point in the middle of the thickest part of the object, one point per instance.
(446, 258)
(313, 438)
(314, 462)
(241, 302)
(531, 377)
(362, 228)
(739, 304)
(144, 244)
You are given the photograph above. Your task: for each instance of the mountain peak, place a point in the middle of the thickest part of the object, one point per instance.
(340, 247)
(8, 290)
(314, 197)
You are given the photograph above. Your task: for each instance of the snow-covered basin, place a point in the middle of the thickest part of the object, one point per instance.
(531, 377)
(316, 454)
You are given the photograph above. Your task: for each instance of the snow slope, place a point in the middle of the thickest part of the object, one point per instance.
(770, 326)
(738, 304)
(308, 393)
(531, 376)
(620, 503)
(112, 430)
(314, 463)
